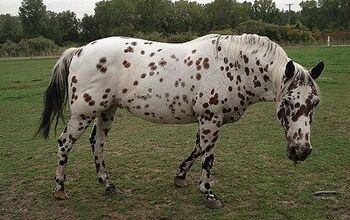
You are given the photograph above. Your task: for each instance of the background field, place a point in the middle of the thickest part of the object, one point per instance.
(251, 173)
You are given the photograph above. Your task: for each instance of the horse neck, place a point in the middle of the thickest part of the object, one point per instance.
(263, 81)
(265, 62)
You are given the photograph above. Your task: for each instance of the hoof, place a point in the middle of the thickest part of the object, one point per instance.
(61, 195)
(180, 182)
(213, 203)
(111, 190)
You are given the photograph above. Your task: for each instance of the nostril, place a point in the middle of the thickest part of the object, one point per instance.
(310, 150)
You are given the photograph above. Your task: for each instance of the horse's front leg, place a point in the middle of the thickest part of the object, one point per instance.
(209, 133)
(98, 138)
(180, 178)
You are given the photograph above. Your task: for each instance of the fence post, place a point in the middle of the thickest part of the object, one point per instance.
(328, 40)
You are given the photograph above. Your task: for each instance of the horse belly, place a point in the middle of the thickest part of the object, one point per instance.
(159, 105)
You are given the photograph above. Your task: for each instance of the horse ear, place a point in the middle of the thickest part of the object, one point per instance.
(317, 70)
(290, 68)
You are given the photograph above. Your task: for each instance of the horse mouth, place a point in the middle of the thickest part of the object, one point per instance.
(294, 156)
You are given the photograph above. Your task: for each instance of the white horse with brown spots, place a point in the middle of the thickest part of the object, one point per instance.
(210, 80)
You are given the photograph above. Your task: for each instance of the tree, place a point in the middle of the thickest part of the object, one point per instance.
(33, 17)
(334, 13)
(54, 31)
(188, 16)
(310, 14)
(10, 28)
(115, 17)
(89, 30)
(224, 14)
(154, 15)
(69, 26)
(265, 10)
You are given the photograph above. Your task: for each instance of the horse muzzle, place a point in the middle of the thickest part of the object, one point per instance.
(297, 153)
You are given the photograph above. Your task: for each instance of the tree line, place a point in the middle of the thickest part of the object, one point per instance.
(173, 21)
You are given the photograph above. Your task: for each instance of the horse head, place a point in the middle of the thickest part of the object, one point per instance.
(297, 101)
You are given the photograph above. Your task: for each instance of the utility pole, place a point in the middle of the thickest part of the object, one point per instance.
(289, 6)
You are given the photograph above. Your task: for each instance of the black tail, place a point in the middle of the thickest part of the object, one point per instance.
(55, 97)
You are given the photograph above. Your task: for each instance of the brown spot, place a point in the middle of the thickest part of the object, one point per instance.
(225, 60)
(257, 83)
(108, 90)
(143, 75)
(261, 70)
(103, 69)
(266, 78)
(190, 63)
(74, 79)
(92, 103)
(126, 64)
(104, 96)
(161, 80)
(246, 70)
(229, 75)
(142, 52)
(134, 43)
(129, 50)
(206, 63)
(246, 60)
(206, 131)
(136, 82)
(162, 63)
(151, 54)
(103, 59)
(124, 90)
(214, 100)
(198, 76)
(230, 88)
(194, 51)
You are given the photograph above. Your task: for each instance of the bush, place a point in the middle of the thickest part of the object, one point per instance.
(9, 49)
(29, 47)
(287, 33)
(181, 37)
(171, 38)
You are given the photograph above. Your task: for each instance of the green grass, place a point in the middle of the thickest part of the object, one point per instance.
(252, 175)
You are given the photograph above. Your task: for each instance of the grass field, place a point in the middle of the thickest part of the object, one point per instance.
(252, 174)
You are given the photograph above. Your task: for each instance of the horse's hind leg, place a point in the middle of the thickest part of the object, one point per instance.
(180, 178)
(98, 138)
(74, 129)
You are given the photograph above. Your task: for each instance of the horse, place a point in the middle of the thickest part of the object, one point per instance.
(210, 80)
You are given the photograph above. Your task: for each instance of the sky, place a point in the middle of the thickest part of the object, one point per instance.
(81, 7)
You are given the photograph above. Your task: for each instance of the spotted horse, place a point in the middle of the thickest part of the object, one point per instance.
(210, 81)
